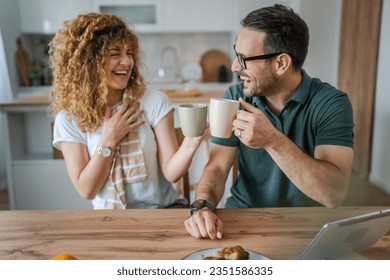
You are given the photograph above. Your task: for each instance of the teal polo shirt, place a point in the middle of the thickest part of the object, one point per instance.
(317, 114)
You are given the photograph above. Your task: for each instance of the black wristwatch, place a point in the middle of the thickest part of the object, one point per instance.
(199, 204)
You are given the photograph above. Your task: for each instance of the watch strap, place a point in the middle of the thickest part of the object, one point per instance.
(200, 204)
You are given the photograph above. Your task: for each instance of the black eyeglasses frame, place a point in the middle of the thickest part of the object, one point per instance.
(242, 60)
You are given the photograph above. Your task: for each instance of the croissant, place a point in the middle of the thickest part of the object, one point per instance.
(230, 253)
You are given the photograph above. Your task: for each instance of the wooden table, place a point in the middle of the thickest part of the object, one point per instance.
(278, 233)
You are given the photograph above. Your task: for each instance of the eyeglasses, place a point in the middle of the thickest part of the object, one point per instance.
(242, 60)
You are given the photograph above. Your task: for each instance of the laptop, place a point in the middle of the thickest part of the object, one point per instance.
(339, 239)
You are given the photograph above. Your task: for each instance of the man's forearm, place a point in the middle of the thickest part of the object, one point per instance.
(211, 186)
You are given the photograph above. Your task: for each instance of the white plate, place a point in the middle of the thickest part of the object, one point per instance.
(191, 71)
(200, 255)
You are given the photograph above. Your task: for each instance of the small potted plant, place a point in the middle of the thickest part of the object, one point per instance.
(35, 74)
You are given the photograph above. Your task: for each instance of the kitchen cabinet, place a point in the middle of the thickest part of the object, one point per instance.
(35, 179)
(197, 16)
(171, 15)
(142, 15)
(44, 184)
(47, 16)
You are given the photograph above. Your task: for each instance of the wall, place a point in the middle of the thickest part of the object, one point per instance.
(323, 19)
(380, 168)
(10, 28)
(189, 48)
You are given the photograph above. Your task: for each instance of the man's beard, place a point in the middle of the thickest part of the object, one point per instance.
(265, 86)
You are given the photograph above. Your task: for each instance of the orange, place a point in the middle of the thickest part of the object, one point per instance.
(64, 257)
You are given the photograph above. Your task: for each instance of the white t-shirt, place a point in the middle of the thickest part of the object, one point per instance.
(156, 191)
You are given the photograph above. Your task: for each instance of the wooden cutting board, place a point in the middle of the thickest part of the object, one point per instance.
(211, 61)
(22, 62)
(181, 93)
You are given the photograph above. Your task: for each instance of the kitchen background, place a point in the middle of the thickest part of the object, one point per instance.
(183, 31)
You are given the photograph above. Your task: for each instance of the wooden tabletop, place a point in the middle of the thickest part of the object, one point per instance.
(277, 233)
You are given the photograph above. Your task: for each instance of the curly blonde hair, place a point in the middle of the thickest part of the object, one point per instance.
(77, 56)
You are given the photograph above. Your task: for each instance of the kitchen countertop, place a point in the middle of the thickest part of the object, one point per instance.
(42, 100)
(204, 87)
(158, 234)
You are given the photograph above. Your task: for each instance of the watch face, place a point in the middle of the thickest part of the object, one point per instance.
(106, 152)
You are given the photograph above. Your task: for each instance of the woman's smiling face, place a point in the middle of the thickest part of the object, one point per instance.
(118, 67)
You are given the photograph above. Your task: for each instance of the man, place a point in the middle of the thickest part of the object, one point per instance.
(293, 135)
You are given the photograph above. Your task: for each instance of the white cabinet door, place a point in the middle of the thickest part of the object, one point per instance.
(143, 15)
(198, 16)
(47, 16)
(45, 185)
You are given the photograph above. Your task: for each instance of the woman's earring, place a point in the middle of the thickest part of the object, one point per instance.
(133, 75)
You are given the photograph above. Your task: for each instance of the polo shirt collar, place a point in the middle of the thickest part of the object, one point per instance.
(303, 92)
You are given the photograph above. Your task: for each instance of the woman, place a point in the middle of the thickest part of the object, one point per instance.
(117, 137)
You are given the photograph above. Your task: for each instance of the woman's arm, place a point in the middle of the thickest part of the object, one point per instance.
(89, 175)
(174, 160)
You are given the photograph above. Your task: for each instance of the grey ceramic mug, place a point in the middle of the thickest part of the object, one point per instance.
(193, 118)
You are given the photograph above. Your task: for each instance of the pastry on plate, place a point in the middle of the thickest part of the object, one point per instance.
(230, 253)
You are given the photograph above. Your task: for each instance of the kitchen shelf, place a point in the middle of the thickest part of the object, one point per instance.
(35, 179)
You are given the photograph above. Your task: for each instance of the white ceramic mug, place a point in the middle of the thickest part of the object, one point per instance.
(222, 114)
(193, 118)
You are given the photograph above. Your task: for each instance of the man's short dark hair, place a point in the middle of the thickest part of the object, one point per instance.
(285, 31)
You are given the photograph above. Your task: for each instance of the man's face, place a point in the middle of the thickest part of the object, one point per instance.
(259, 77)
